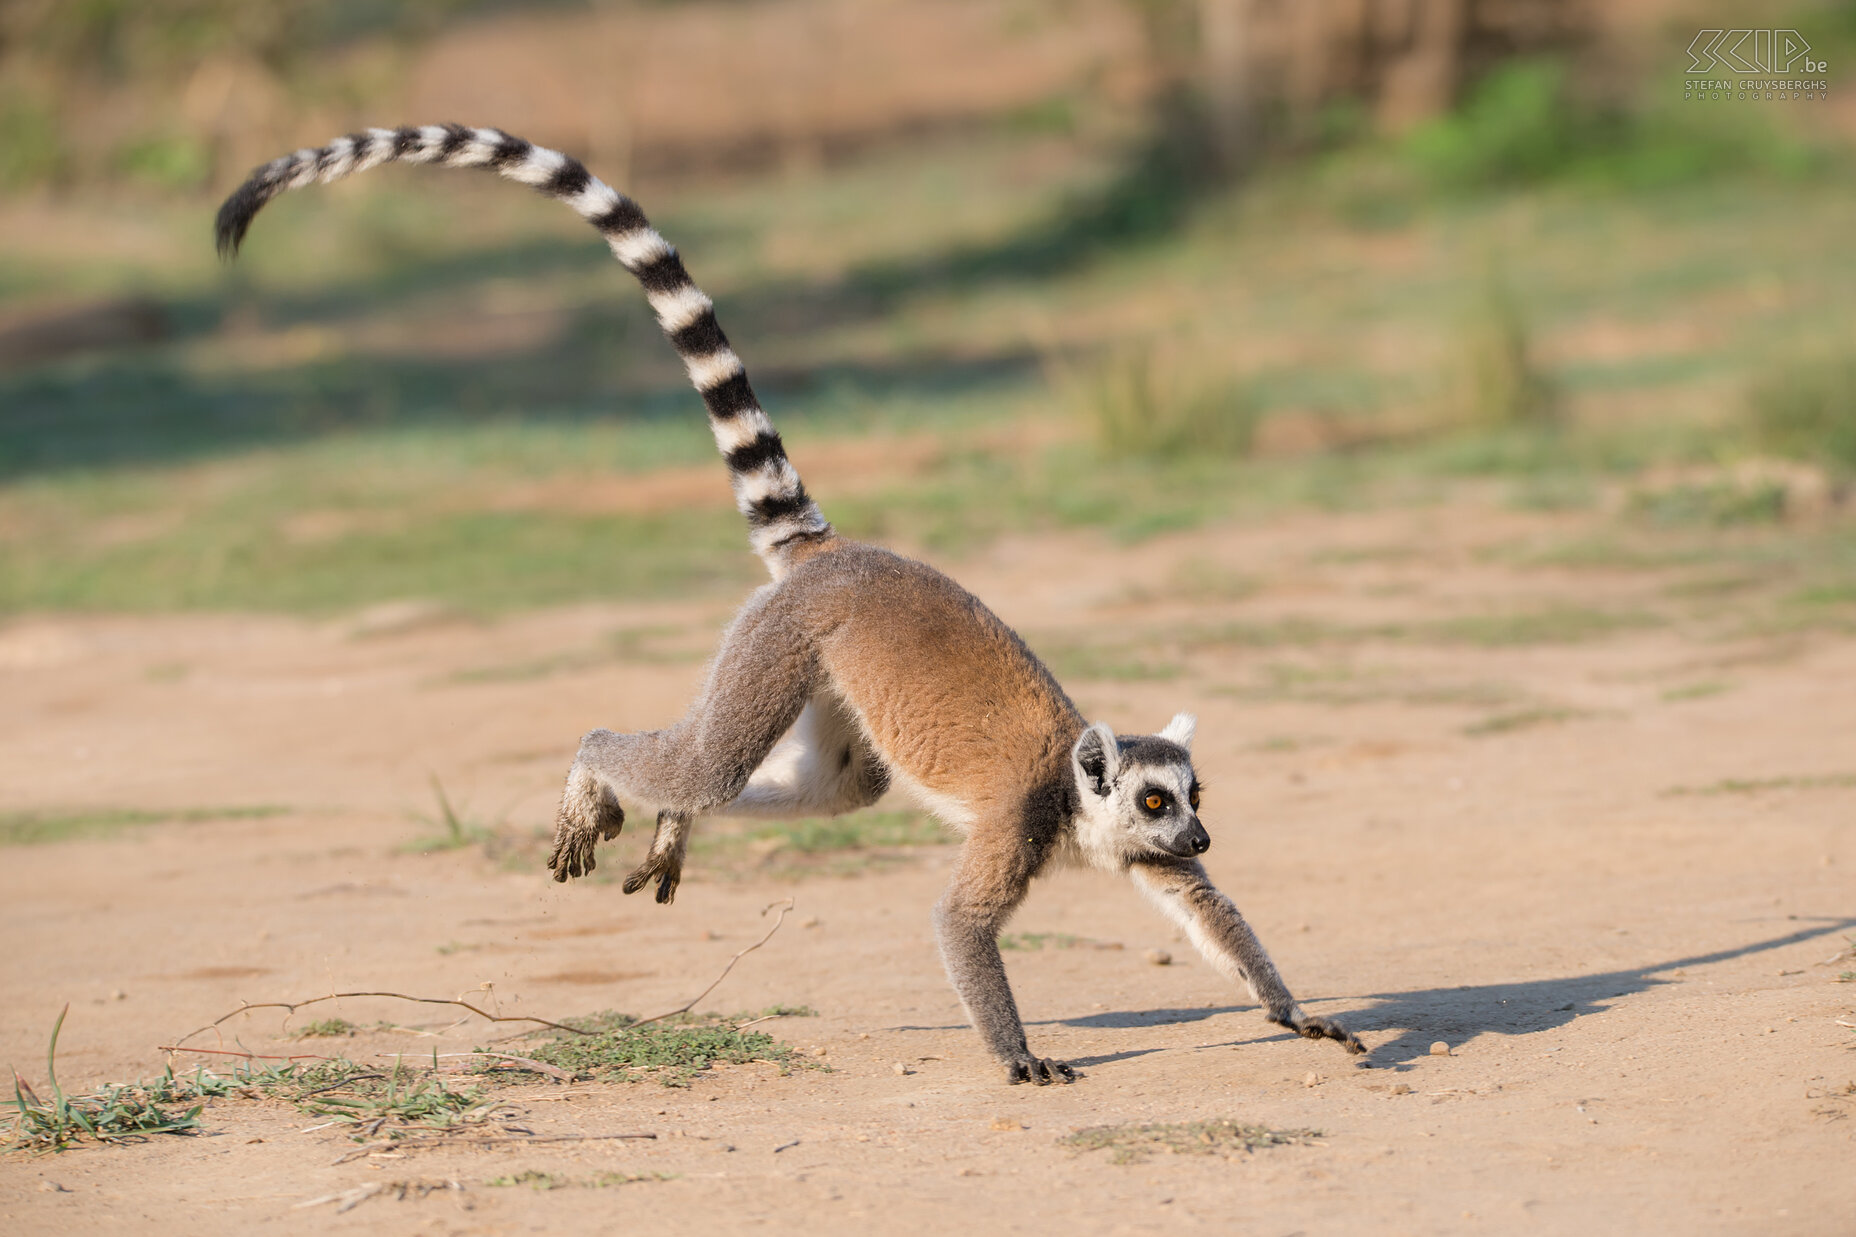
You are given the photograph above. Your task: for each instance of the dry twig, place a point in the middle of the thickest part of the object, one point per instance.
(290, 1007)
(785, 905)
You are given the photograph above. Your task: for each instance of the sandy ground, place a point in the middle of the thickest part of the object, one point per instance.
(1639, 989)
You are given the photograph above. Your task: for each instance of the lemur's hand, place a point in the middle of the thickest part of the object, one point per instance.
(1038, 1070)
(1314, 1026)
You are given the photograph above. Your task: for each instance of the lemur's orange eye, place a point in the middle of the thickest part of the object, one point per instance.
(1154, 803)
(1193, 798)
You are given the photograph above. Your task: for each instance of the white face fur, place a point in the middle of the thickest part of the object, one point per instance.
(1138, 795)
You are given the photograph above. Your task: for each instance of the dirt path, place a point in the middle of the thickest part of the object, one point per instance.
(1512, 839)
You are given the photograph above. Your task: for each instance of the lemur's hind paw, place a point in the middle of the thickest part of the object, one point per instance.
(589, 814)
(1313, 1026)
(667, 869)
(1038, 1071)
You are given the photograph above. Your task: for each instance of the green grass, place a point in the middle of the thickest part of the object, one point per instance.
(39, 826)
(813, 846)
(1697, 691)
(328, 1028)
(1131, 1143)
(673, 1052)
(1032, 941)
(535, 1179)
(282, 452)
(1760, 785)
(454, 832)
(392, 1099)
(123, 1113)
(1525, 719)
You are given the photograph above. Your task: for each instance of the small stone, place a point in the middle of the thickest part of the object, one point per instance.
(117, 994)
(1440, 1049)
(1401, 1088)
(1312, 1079)
(1012, 1124)
(901, 1069)
(813, 922)
(820, 1051)
(52, 1187)
(1159, 957)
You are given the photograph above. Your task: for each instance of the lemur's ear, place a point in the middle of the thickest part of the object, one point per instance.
(1180, 730)
(1097, 758)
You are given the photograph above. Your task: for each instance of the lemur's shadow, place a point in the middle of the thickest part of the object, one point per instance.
(1456, 1015)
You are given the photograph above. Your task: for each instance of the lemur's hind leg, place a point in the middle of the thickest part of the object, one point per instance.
(664, 862)
(589, 814)
(825, 767)
(757, 686)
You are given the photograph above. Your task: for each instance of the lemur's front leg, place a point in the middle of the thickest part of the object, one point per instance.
(1212, 922)
(967, 920)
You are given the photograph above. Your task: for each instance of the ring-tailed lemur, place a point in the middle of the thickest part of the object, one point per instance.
(880, 671)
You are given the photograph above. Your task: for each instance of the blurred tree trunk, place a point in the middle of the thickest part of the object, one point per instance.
(1226, 69)
(1422, 81)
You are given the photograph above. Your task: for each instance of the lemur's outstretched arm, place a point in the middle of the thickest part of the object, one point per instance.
(1183, 892)
(780, 514)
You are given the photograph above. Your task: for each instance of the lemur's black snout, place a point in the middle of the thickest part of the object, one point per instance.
(1199, 840)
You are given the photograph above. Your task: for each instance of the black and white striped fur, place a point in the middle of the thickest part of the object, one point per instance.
(768, 491)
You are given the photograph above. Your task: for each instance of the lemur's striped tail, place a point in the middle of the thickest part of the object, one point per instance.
(768, 492)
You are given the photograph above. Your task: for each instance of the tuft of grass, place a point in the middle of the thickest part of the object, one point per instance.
(1759, 785)
(1038, 940)
(456, 831)
(1696, 691)
(834, 845)
(1139, 403)
(1720, 504)
(328, 1028)
(1104, 662)
(1131, 1144)
(371, 1100)
(673, 1051)
(114, 1114)
(1554, 624)
(33, 827)
(1525, 719)
(535, 1179)
(1807, 410)
(1500, 383)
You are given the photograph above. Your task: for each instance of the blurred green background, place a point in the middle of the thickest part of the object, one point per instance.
(1133, 265)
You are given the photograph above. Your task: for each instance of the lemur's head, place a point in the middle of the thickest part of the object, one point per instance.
(1138, 794)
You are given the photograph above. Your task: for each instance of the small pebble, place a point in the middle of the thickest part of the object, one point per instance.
(900, 1068)
(1401, 1088)
(1159, 957)
(1440, 1049)
(820, 1051)
(810, 923)
(1007, 1123)
(117, 994)
(52, 1187)
(1312, 1079)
